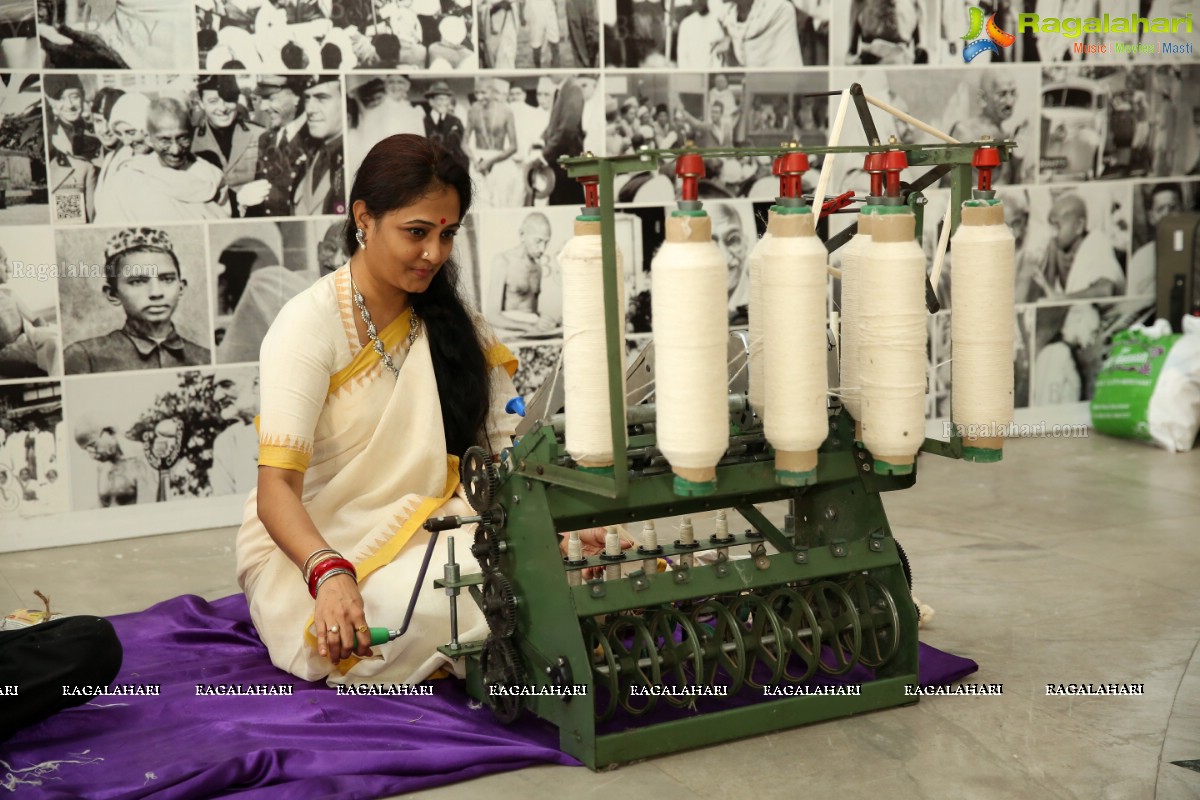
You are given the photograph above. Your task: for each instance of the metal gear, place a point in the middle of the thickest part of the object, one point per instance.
(501, 667)
(486, 548)
(480, 478)
(499, 605)
(904, 563)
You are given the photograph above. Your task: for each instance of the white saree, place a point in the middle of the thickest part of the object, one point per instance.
(373, 452)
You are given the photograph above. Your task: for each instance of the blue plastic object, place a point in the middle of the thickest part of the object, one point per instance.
(516, 406)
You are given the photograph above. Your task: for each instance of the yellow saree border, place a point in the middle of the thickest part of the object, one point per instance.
(392, 547)
(284, 452)
(366, 357)
(500, 356)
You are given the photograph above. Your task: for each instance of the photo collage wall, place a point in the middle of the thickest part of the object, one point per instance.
(172, 174)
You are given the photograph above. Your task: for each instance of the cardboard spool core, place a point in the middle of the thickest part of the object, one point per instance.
(587, 227)
(894, 228)
(864, 223)
(787, 461)
(897, 461)
(983, 215)
(696, 474)
(984, 442)
(689, 229)
(790, 226)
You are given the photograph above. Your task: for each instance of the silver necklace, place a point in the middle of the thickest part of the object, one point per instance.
(372, 334)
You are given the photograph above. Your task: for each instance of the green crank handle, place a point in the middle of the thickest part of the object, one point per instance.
(378, 636)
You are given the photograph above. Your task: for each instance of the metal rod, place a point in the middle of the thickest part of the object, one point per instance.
(644, 413)
(451, 566)
(614, 333)
(412, 602)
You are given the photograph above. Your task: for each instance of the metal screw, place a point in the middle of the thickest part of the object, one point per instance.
(866, 468)
(517, 497)
(830, 513)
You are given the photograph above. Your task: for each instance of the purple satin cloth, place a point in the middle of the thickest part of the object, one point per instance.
(313, 744)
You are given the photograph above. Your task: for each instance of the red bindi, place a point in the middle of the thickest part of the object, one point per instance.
(443, 220)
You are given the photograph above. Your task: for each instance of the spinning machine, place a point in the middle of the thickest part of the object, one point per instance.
(695, 637)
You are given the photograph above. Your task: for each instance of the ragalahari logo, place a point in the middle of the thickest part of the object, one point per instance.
(994, 39)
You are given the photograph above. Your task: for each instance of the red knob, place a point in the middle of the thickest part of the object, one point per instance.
(874, 165)
(985, 157)
(893, 162)
(591, 190)
(791, 173)
(689, 167)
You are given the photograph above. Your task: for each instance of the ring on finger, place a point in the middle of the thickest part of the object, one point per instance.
(333, 628)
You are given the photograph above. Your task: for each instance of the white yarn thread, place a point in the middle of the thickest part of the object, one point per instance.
(757, 386)
(688, 300)
(981, 327)
(794, 343)
(851, 389)
(892, 346)
(939, 256)
(585, 354)
(835, 134)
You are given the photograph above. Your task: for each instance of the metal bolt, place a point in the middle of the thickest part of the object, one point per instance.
(517, 497)
(830, 513)
(866, 467)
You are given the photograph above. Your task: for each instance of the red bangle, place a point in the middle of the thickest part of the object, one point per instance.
(325, 566)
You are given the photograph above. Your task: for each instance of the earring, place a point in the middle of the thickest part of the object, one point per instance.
(362, 241)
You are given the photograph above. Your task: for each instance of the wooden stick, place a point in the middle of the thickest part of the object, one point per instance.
(911, 120)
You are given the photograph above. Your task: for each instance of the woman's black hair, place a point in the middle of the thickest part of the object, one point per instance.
(398, 172)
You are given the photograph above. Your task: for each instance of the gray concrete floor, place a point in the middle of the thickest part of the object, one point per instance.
(1074, 560)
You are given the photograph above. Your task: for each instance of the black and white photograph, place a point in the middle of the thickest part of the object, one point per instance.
(138, 149)
(18, 35)
(149, 437)
(507, 131)
(336, 35)
(713, 34)
(1076, 243)
(257, 267)
(235, 448)
(103, 34)
(1119, 122)
(1152, 203)
(23, 191)
(30, 335)
(890, 33)
(1068, 355)
(33, 481)
(133, 298)
(713, 110)
(968, 104)
(538, 34)
(523, 277)
(536, 364)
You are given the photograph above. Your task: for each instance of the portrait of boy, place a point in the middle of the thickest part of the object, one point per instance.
(142, 276)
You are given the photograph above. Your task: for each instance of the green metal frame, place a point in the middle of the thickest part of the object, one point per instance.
(840, 530)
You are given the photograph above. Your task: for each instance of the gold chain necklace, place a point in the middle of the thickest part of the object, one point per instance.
(372, 334)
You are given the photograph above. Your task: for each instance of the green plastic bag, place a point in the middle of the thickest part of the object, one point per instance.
(1126, 383)
(1149, 386)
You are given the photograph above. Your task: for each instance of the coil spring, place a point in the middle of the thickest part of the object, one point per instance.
(753, 639)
